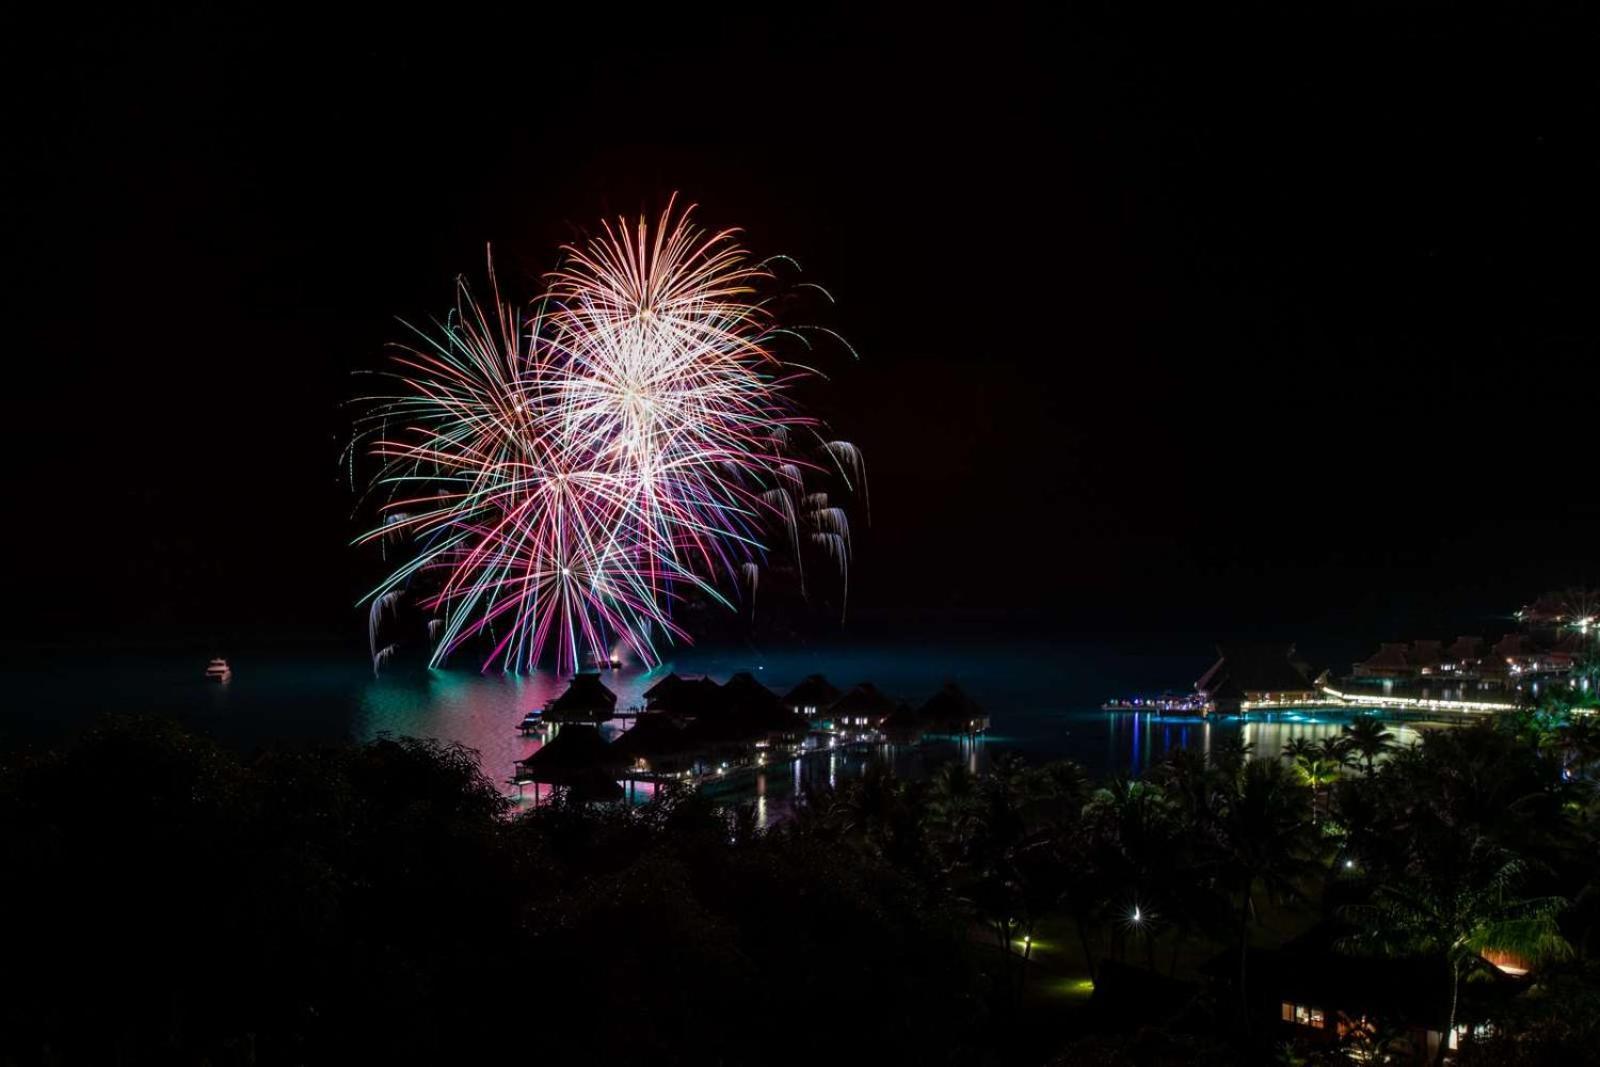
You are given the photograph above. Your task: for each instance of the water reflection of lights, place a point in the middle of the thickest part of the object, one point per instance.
(1138, 741)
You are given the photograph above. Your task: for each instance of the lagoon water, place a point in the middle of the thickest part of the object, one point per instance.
(1043, 698)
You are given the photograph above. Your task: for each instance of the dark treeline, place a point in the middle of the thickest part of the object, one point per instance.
(168, 902)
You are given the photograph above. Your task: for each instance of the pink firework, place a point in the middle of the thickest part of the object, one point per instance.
(568, 472)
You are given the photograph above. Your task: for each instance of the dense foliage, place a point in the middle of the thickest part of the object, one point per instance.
(173, 903)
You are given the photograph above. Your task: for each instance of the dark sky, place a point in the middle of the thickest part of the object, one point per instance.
(1171, 318)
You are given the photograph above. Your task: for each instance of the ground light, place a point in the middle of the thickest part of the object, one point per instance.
(1075, 988)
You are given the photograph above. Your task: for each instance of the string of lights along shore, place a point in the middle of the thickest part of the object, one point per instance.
(558, 475)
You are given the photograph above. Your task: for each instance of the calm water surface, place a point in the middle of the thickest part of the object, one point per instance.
(1043, 698)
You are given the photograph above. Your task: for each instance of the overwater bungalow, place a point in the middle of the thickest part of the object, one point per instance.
(753, 703)
(662, 692)
(952, 711)
(862, 708)
(903, 726)
(577, 759)
(1464, 655)
(1390, 661)
(586, 700)
(811, 697)
(682, 696)
(1248, 676)
(658, 744)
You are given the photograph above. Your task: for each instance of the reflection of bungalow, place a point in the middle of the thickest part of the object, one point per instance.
(1254, 675)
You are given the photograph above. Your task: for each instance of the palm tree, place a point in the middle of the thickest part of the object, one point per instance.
(1578, 743)
(1335, 749)
(868, 806)
(1228, 756)
(954, 807)
(1265, 843)
(1298, 748)
(1460, 917)
(1056, 793)
(1317, 767)
(1368, 738)
(1135, 834)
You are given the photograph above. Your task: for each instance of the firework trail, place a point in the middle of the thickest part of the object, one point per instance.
(569, 471)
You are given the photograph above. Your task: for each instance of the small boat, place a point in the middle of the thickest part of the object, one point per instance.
(218, 670)
(533, 720)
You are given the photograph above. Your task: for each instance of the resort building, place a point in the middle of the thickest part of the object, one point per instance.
(952, 711)
(1248, 676)
(1554, 643)
(1322, 996)
(1390, 661)
(811, 697)
(586, 700)
(1464, 655)
(861, 710)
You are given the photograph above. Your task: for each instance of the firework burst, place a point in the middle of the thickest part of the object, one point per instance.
(566, 472)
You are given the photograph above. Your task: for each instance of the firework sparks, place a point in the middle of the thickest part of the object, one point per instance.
(567, 472)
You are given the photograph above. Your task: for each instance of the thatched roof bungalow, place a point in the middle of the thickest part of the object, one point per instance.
(657, 743)
(577, 758)
(812, 696)
(586, 700)
(903, 726)
(864, 705)
(952, 711)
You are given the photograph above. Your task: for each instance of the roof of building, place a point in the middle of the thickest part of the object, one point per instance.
(687, 696)
(1426, 653)
(1253, 668)
(576, 751)
(755, 710)
(950, 709)
(904, 718)
(1391, 655)
(654, 734)
(814, 692)
(864, 699)
(1313, 970)
(664, 687)
(586, 693)
(1512, 644)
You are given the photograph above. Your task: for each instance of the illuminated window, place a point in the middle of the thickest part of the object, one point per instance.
(1308, 1016)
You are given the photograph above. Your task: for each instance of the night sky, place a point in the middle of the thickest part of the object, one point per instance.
(1267, 321)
